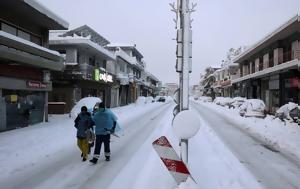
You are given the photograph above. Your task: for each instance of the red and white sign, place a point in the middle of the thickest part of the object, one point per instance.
(174, 164)
(36, 85)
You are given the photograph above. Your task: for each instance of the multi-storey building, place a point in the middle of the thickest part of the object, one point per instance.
(89, 67)
(269, 70)
(26, 62)
(130, 72)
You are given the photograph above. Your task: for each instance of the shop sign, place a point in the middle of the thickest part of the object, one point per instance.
(36, 85)
(102, 76)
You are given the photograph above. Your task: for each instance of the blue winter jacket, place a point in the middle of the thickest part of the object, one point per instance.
(83, 122)
(104, 121)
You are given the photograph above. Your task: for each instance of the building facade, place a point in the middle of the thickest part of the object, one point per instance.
(89, 67)
(269, 70)
(26, 62)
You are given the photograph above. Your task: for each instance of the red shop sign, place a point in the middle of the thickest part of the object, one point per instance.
(36, 85)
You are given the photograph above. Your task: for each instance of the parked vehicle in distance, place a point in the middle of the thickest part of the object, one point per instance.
(253, 108)
(160, 99)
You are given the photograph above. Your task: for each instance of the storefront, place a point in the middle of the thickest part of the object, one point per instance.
(22, 102)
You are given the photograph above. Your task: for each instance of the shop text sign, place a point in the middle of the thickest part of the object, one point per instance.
(102, 76)
(36, 85)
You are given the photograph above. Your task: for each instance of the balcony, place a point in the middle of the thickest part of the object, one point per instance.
(20, 50)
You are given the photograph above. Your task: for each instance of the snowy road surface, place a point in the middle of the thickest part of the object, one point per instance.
(64, 168)
(271, 168)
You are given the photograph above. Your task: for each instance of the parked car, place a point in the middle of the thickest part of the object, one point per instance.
(223, 101)
(161, 99)
(290, 111)
(253, 108)
(237, 102)
(149, 99)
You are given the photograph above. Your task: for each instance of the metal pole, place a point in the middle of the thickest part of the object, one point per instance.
(184, 78)
(46, 107)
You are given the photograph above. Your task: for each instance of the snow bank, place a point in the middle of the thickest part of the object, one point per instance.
(280, 136)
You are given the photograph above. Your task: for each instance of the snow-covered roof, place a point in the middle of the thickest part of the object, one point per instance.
(152, 76)
(127, 46)
(86, 31)
(56, 39)
(281, 32)
(43, 10)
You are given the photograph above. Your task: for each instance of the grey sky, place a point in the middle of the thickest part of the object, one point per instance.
(218, 25)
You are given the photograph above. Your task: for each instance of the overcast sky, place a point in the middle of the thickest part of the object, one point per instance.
(218, 25)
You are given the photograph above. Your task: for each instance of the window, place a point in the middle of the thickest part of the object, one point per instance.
(8, 29)
(24, 35)
(36, 40)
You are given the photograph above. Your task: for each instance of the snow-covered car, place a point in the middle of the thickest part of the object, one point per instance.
(223, 101)
(89, 102)
(253, 108)
(290, 111)
(237, 102)
(161, 99)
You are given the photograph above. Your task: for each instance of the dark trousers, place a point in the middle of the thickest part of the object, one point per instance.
(99, 140)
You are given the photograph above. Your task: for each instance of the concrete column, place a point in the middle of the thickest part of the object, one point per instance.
(295, 50)
(278, 56)
(46, 106)
(266, 61)
(250, 64)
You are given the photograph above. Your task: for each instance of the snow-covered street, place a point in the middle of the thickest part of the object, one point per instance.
(271, 168)
(221, 155)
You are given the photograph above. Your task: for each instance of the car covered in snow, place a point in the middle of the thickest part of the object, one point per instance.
(253, 108)
(290, 111)
(223, 101)
(149, 99)
(237, 102)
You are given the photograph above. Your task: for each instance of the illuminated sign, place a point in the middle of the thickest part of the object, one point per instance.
(102, 76)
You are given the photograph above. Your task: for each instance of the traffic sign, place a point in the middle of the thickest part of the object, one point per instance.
(186, 124)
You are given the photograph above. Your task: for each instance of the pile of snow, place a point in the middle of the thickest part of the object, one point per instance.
(205, 99)
(141, 100)
(89, 102)
(149, 99)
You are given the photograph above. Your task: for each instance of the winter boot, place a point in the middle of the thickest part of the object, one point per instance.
(94, 160)
(107, 158)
